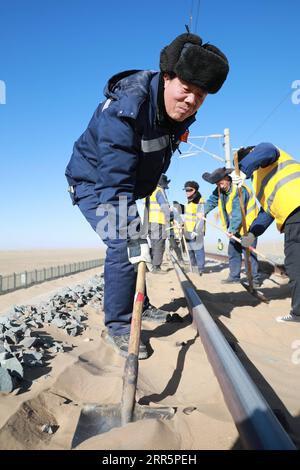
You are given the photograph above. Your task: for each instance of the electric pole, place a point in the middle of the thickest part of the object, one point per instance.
(227, 148)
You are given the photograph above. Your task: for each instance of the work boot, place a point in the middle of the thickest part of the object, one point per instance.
(158, 270)
(155, 314)
(256, 284)
(288, 318)
(230, 280)
(120, 344)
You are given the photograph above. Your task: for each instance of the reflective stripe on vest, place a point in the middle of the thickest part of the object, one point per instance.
(251, 209)
(156, 215)
(190, 215)
(277, 187)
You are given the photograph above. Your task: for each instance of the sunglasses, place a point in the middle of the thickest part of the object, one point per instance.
(189, 190)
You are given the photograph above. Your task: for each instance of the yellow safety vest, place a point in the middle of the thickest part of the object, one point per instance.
(190, 215)
(251, 209)
(156, 215)
(277, 187)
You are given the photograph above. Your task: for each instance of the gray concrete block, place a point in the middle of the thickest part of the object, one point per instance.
(6, 381)
(14, 366)
(28, 342)
(58, 322)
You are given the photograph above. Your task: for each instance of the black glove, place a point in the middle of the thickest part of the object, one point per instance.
(247, 240)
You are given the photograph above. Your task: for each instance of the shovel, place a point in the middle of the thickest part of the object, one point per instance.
(185, 246)
(96, 419)
(278, 268)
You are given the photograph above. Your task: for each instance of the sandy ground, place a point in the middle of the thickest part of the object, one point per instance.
(176, 374)
(26, 260)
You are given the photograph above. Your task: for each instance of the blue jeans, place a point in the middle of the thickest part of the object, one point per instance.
(197, 255)
(235, 250)
(119, 273)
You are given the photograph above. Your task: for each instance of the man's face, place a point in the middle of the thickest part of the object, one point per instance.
(224, 184)
(182, 99)
(190, 192)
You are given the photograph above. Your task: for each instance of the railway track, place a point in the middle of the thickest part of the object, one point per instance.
(257, 425)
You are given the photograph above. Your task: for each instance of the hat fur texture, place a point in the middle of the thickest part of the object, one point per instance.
(203, 65)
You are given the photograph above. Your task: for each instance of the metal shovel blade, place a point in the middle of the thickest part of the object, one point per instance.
(97, 419)
(256, 293)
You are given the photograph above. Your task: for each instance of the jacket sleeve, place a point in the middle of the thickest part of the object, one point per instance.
(261, 223)
(262, 155)
(211, 202)
(163, 203)
(236, 215)
(117, 152)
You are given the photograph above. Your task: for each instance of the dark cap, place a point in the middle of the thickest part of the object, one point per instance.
(217, 175)
(203, 65)
(191, 184)
(163, 181)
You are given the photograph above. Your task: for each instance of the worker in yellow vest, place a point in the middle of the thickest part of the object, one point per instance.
(225, 197)
(193, 226)
(276, 182)
(159, 216)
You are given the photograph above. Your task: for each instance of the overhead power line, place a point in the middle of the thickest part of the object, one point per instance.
(267, 117)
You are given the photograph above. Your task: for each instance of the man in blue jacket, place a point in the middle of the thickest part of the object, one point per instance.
(225, 197)
(276, 182)
(127, 145)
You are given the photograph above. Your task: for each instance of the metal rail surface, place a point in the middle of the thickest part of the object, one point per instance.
(257, 425)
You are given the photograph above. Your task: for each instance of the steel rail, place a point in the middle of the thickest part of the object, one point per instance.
(257, 425)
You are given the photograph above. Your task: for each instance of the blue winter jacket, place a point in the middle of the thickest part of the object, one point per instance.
(125, 148)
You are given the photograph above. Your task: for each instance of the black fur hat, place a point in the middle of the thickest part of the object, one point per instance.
(202, 65)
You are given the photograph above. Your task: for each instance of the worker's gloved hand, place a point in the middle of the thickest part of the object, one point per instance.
(138, 250)
(247, 240)
(237, 180)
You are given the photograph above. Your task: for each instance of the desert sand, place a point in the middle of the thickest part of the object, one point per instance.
(177, 373)
(26, 260)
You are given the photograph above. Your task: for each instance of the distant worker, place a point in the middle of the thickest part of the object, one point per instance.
(121, 155)
(159, 216)
(176, 232)
(276, 183)
(193, 226)
(225, 197)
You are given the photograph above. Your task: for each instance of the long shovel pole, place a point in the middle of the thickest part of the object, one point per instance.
(132, 363)
(251, 248)
(244, 224)
(185, 244)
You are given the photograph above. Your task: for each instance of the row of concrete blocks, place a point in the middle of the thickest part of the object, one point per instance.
(23, 345)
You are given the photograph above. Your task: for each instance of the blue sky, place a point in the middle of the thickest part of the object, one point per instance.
(56, 57)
